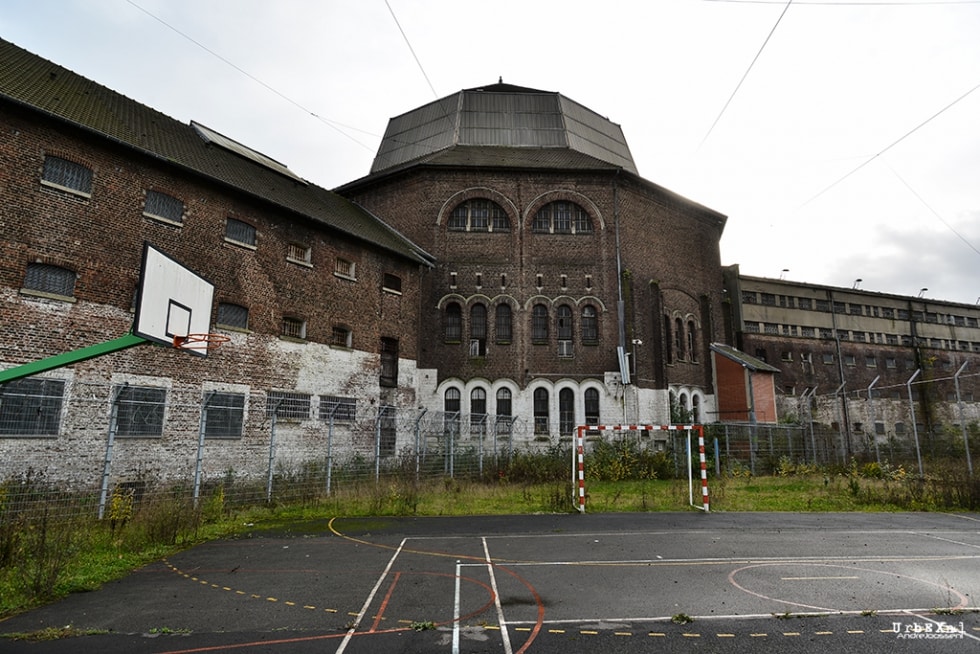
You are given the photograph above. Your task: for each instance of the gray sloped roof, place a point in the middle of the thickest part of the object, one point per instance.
(736, 355)
(502, 116)
(34, 82)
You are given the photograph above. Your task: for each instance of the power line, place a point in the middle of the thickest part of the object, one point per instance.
(411, 49)
(746, 74)
(329, 123)
(893, 144)
(934, 212)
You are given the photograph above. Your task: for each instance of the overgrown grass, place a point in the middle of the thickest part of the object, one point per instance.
(43, 558)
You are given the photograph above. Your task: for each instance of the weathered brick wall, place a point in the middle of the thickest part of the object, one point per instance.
(101, 239)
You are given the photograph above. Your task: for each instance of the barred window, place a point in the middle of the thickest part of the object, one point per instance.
(67, 175)
(232, 315)
(453, 323)
(541, 411)
(163, 207)
(344, 268)
(31, 407)
(391, 283)
(504, 411)
(140, 411)
(562, 218)
(478, 215)
(46, 278)
(293, 327)
(224, 415)
(240, 233)
(503, 323)
(566, 411)
(539, 323)
(341, 409)
(299, 253)
(591, 406)
(341, 336)
(590, 325)
(389, 362)
(288, 406)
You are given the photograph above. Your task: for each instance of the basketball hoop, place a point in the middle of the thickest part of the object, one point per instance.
(200, 341)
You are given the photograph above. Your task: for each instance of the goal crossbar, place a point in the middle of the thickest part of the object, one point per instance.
(578, 458)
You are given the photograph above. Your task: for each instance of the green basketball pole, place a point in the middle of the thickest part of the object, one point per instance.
(68, 358)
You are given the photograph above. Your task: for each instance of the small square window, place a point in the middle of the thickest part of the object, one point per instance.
(240, 233)
(391, 283)
(344, 268)
(288, 406)
(299, 253)
(224, 415)
(342, 409)
(140, 411)
(31, 407)
(67, 176)
(161, 206)
(293, 328)
(341, 336)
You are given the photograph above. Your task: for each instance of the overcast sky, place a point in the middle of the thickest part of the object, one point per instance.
(841, 139)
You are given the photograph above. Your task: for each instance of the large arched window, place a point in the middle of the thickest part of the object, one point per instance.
(566, 411)
(452, 319)
(539, 323)
(478, 215)
(563, 328)
(695, 408)
(478, 330)
(541, 411)
(503, 323)
(590, 324)
(562, 217)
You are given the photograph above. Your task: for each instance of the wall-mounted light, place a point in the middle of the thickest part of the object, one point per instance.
(857, 282)
(922, 290)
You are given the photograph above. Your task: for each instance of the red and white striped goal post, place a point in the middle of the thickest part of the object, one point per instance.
(578, 457)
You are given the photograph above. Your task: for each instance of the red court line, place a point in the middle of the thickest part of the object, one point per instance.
(384, 602)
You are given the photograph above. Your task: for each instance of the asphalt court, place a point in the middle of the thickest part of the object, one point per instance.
(538, 583)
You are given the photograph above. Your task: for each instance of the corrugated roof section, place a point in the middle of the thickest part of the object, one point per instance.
(31, 81)
(502, 116)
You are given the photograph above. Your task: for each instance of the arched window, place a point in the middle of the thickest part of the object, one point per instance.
(590, 325)
(451, 406)
(478, 215)
(563, 327)
(478, 330)
(591, 406)
(679, 339)
(692, 341)
(503, 323)
(541, 411)
(566, 411)
(478, 408)
(453, 323)
(504, 411)
(561, 217)
(695, 408)
(539, 323)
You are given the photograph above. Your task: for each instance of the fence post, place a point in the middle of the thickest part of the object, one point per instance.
(107, 463)
(915, 428)
(418, 448)
(871, 418)
(201, 426)
(959, 404)
(330, 448)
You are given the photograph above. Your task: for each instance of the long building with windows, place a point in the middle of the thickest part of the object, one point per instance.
(872, 356)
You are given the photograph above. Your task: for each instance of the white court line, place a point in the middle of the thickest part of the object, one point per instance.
(456, 612)
(370, 599)
(496, 600)
(937, 623)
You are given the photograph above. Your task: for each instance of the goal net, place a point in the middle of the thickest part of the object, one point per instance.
(691, 432)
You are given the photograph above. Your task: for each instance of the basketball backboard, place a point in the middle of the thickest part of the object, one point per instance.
(171, 301)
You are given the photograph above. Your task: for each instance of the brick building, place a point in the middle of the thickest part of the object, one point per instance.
(559, 269)
(318, 297)
(846, 345)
